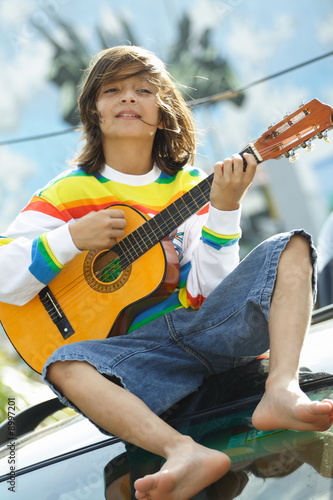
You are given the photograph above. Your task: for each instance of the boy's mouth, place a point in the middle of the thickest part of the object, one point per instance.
(128, 114)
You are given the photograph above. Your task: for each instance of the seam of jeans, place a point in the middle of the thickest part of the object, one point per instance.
(187, 349)
(208, 328)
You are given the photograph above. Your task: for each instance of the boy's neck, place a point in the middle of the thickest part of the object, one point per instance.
(129, 157)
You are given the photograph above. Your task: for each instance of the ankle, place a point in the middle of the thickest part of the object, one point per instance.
(280, 380)
(180, 444)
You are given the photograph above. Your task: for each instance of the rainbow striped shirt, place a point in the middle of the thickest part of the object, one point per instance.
(37, 245)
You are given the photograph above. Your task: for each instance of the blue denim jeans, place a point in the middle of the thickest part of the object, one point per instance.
(170, 358)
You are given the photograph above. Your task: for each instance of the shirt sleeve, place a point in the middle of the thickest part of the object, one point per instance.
(208, 245)
(33, 251)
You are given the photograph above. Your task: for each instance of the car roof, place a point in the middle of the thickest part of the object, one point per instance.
(277, 464)
(258, 458)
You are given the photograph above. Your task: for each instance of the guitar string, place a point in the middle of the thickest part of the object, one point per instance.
(300, 137)
(126, 255)
(136, 248)
(162, 229)
(133, 247)
(81, 278)
(287, 125)
(83, 281)
(80, 282)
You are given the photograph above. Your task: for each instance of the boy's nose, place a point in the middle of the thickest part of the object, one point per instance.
(128, 96)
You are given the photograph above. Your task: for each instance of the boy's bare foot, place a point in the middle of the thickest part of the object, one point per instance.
(189, 469)
(290, 408)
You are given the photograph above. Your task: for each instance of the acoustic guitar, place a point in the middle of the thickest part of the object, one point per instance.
(99, 293)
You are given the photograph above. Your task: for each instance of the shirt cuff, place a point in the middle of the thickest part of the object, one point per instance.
(224, 222)
(61, 244)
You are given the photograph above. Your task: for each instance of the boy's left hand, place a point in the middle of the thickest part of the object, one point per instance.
(231, 182)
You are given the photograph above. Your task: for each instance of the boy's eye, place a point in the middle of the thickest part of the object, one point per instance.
(111, 89)
(145, 91)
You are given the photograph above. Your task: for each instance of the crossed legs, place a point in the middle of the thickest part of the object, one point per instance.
(190, 467)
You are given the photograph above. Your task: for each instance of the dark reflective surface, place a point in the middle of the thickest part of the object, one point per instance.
(274, 465)
(284, 465)
(265, 466)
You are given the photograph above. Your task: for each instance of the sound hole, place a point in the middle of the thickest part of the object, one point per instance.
(103, 271)
(108, 273)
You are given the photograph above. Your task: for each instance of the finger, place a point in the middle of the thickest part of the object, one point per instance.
(223, 168)
(116, 212)
(251, 162)
(238, 164)
(117, 233)
(227, 166)
(118, 223)
(218, 170)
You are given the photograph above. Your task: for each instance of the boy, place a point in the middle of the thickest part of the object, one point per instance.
(139, 139)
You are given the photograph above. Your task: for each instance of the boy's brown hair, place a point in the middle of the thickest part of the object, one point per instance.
(174, 144)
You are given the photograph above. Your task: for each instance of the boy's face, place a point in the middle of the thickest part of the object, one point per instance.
(128, 108)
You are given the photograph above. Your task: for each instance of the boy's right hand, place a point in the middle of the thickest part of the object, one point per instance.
(231, 181)
(98, 230)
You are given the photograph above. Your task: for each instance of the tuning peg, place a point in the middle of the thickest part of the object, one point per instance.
(292, 156)
(326, 138)
(323, 135)
(308, 146)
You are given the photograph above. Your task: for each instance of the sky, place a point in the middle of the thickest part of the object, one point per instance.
(258, 38)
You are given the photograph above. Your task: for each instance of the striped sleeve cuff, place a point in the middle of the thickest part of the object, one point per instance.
(217, 240)
(44, 265)
(50, 252)
(222, 228)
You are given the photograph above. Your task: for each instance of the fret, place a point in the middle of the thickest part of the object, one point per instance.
(182, 207)
(121, 250)
(145, 237)
(133, 244)
(170, 214)
(155, 227)
(199, 194)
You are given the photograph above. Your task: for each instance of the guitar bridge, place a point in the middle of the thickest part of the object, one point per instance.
(55, 312)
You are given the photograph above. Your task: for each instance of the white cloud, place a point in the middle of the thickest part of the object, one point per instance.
(109, 21)
(328, 94)
(263, 105)
(208, 14)
(22, 77)
(325, 31)
(251, 47)
(24, 57)
(15, 169)
(15, 12)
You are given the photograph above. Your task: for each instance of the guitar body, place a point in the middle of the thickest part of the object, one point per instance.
(93, 308)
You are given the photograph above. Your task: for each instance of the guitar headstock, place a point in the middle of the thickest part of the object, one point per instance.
(312, 120)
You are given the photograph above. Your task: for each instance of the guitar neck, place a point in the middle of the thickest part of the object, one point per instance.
(166, 221)
(163, 223)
